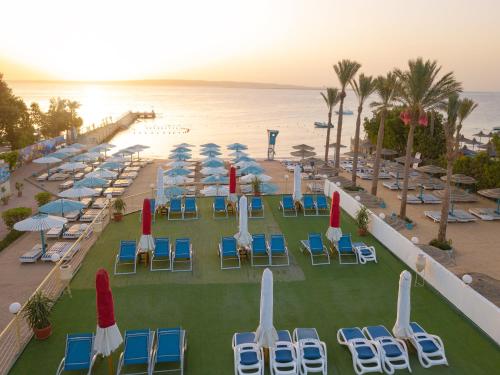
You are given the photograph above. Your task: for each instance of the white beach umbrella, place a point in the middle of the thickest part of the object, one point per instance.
(73, 166)
(78, 192)
(402, 329)
(244, 164)
(266, 334)
(297, 183)
(160, 199)
(243, 237)
(102, 173)
(175, 180)
(40, 223)
(215, 190)
(47, 160)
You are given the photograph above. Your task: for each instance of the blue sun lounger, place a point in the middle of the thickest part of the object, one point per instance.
(190, 208)
(137, 350)
(248, 356)
(365, 355)
(182, 253)
(79, 354)
(346, 249)
(288, 206)
(309, 205)
(278, 249)
(315, 248)
(161, 253)
(169, 349)
(258, 249)
(228, 250)
(175, 209)
(256, 208)
(220, 207)
(127, 255)
(283, 356)
(322, 206)
(430, 348)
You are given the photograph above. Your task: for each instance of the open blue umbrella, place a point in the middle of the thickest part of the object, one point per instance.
(59, 155)
(174, 191)
(88, 156)
(61, 206)
(253, 169)
(236, 147)
(267, 188)
(215, 179)
(213, 163)
(180, 156)
(211, 153)
(211, 145)
(111, 165)
(243, 158)
(178, 172)
(91, 182)
(40, 223)
(181, 150)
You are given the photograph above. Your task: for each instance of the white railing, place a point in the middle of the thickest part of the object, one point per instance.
(477, 308)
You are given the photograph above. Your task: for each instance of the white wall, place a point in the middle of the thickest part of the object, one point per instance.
(482, 312)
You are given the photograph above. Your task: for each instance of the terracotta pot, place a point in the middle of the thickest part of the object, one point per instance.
(118, 216)
(19, 193)
(362, 231)
(43, 333)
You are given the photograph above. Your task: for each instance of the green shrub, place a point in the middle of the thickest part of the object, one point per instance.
(10, 158)
(42, 198)
(443, 245)
(9, 238)
(483, 168)
(13, 215)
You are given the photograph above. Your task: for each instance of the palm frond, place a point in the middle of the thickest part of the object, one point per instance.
(346, 70)
(331, 98)
(363, 87)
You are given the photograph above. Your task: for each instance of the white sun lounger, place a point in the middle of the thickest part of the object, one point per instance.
(436, 216)
(411, 199)
(89, 215)
(365, 253)
(54, 232)
(75, 231)
(86, 201)
(248, 356)
(65, 250)
(32, 255)
(462, 216)
(129, 175)
(487, 214)
(122, 183)
(365, 353)
(72, 216)
(66, 185)
(42, 177)
(58, 177)
(114, 191)
(429, 199)
(311, 351)
(396, 185)
(430, 348)
(99, 203)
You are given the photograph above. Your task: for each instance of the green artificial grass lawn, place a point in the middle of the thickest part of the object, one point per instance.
(212, 304)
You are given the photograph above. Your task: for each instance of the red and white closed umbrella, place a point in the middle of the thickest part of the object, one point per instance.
(232, 185)
(146, 242)
(334, 232)
(108, 337)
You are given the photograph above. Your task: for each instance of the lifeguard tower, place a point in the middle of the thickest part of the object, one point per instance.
(271, 142)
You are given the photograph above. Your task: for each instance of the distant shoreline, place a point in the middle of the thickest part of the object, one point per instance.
(182, 82)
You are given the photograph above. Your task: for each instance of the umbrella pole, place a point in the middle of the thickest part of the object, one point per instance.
(110, 365)
(43, 242)
(498, 206)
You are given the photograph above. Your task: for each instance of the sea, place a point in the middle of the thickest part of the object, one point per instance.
(223, 115)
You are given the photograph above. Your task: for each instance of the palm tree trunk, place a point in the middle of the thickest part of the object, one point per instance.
(406, 173)
(356, 147)
(445, 207)
(327, 147)
(339, 131)
(431, 128)
(380, 140)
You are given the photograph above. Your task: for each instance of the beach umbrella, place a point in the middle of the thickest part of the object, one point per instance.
(88, 156)
(175, 180)
(493, 194)
(210, 145)
(236, 154)
(244, 164)
(465, 140)
(178, 164)
(402, 329)
(213, 163)
(183, 145)
(266, 188)
(69, 150)
(146, 242)
(138, 149)
(116, 159)
(124, 152)
(160, 199)
(174, 191)
(47, 160)
(249, 178)
(210, 158)
(266, 335)
(215, 190)
(180, 156)
(326, 170)
(59, 155)
(481, 135)
(334, 231)
(177, 172)
(40, 223)
(232, 185)
(61, 206)
(107, 336)
(102, 173)
(243, 236)
(236, 147)
(459, 179)
(297, 183)
(111, 165)
(211, 153)
(334, 145)
(431, 169)
(209, 171)
(91, 182)
(243, 159)
(303, 153)
(252, 169)
(215, 179)
(181, 150)
(78, 192)
(303, 147)
(402, 160)
(352, 153)
(71, 167)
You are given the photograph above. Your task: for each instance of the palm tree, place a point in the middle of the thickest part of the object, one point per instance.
(420, 90)
(363, 88)
(331, 99)
(345, 70)
(456, 109)
(386, 90)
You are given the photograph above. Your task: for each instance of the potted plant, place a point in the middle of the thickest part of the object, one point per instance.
(37, 312)
(4, 196)
(118, 207)
(19, 187)
(409, 223)
(362, 219)
(256, 186)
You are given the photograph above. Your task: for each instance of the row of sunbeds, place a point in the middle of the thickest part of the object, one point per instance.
(158, 351)
(311, 205)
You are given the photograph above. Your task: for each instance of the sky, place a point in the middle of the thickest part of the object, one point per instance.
(276, 41)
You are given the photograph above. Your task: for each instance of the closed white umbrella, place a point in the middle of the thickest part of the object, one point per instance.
(297, 184)
(78, 192)
(243, 237)
(161, 198)
(40, 223)
(266, 334)
(402, 329)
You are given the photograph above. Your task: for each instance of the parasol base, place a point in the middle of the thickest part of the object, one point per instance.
(243, 239)
(147, 242)
(232, 197)
(107, 340)
(333, 234)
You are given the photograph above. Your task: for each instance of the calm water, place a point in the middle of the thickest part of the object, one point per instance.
(221, 115)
